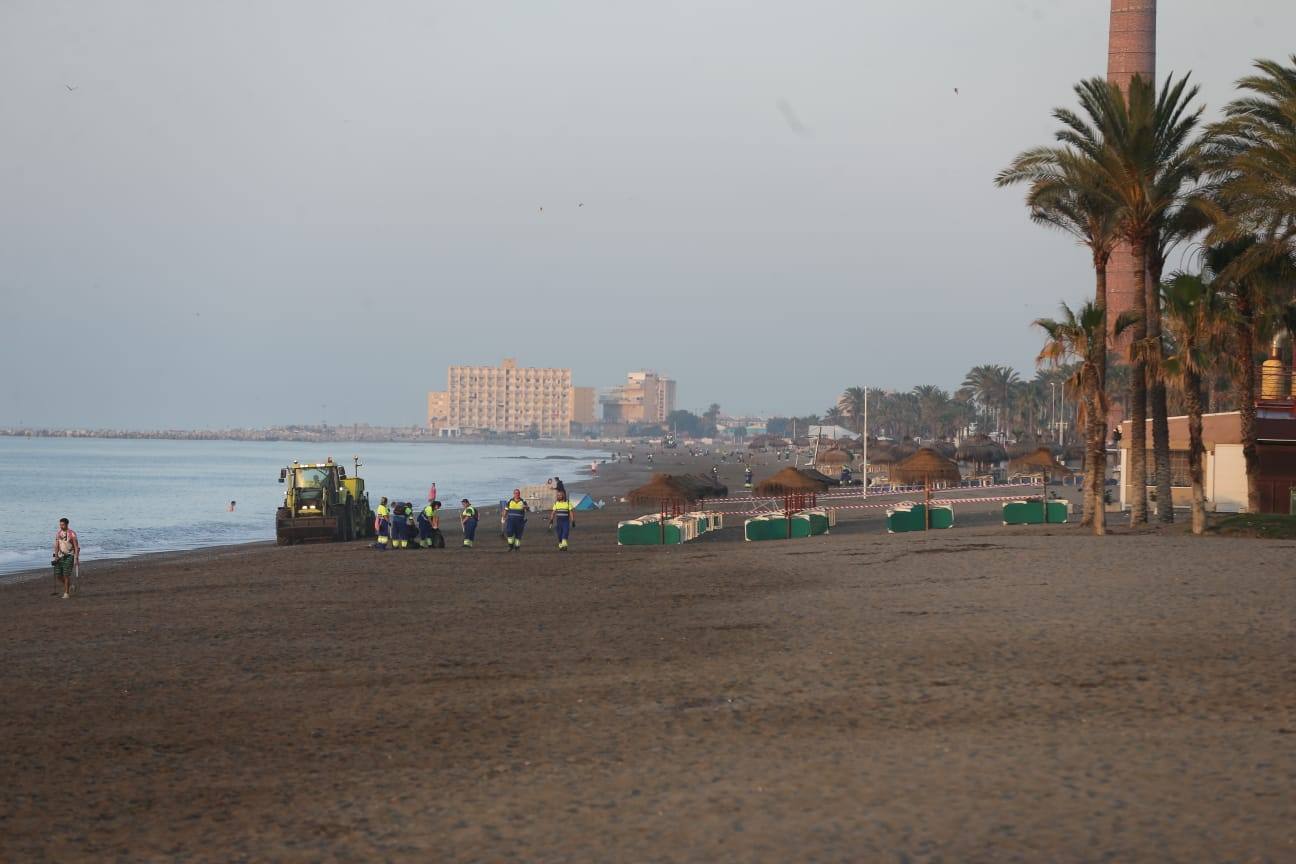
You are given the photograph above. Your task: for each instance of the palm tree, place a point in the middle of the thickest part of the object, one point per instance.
(1174, 227)
(852, 403)
(933, 403)
(1252, 155)
(1072, 337)
(1254, 284)
(1196, 319)
(1140, 153)
(1065, 193)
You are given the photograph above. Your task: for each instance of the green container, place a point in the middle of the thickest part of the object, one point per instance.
(913, 519)
(1033, 512)
(776, 527)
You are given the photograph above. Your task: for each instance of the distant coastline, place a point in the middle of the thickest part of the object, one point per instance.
(361, 432)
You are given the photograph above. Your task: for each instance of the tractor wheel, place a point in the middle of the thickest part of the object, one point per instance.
(281, 522)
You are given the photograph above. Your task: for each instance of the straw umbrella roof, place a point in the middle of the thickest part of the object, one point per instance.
(684, 487)
(925, 465)
(982, 450)
(792, 480)
(1029, 444)
(833, 457)
(1039, 460)
(890, 452)
(944, 448)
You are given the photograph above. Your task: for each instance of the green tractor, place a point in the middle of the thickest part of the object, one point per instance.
(322, 505)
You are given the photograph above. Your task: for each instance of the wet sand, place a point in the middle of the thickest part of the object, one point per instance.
(981, 694)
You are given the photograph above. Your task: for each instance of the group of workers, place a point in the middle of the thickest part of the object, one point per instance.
(398, 527)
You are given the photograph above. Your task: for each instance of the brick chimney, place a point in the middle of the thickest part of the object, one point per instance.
(1131, 50)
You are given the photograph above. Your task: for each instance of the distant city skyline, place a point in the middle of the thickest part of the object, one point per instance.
(220, 215)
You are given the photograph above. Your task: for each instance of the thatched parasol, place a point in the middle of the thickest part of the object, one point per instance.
(890, 452)
(944, 448)
(1029, 444)
(1039, 461)
(792, 480)
(981, 450)
(834, 458)
(925, 465)
(668, 487)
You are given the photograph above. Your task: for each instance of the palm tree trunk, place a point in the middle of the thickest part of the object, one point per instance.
(1137, 479)
(1096, 442)
(1157, 393)
(1193, 396)
(1246, 337)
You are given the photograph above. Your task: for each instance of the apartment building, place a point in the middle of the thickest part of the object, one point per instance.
(505, 399)
(646, 397)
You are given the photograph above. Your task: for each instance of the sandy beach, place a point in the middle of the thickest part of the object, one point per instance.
(980, 694)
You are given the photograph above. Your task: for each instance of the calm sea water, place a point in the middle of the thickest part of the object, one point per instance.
(126, 497)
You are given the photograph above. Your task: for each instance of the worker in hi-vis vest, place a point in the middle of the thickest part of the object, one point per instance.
(429, 521)
(382, 524)
(468, 521)
(515, 511)
(562, 519)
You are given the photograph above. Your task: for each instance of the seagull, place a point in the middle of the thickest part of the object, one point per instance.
(541, 209)
(71, 87)
(582, 204)
(956, 91)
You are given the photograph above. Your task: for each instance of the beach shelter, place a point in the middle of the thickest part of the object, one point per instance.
(1039, 461)
(792, 480)
(925, 465)
(981, 451)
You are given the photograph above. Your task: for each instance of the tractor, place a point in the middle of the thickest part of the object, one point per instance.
(322, 505)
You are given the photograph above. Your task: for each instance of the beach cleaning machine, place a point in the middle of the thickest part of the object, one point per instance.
(322, 504)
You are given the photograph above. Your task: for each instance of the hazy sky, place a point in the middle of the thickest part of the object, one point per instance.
(228, 213)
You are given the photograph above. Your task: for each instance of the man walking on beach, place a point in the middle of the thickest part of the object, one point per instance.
(562, 519)
(468, 521)
(515, 520)
(67, 556)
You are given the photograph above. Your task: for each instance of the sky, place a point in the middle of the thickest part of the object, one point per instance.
(249, 213)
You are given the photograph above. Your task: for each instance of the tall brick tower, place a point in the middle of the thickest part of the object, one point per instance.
(1131, 50)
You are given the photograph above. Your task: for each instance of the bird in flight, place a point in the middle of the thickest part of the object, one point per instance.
(581, 204)
(71, 87)
(541, 209)
(956, 91)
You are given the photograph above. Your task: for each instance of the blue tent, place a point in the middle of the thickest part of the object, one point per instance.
(582, 501)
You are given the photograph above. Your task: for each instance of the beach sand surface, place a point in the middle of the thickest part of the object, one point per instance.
(979, 694)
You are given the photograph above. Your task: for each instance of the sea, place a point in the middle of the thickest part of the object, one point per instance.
(128, 497)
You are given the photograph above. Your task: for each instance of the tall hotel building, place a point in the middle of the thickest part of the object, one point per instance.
(509, 399)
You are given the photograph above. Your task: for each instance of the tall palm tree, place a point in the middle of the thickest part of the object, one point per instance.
(852, 402)
(1072, 337)
(1252, 158)
(1256, 285)
(1173, 227)
(1252, 155)
(1140, 150)
(1196, 322)
(933, 403)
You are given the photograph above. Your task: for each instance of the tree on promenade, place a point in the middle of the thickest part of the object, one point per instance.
(1142, 156)
(1065, 193)
(1197, 325)
(1072, 337)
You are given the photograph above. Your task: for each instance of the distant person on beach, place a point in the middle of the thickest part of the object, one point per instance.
(67, 556)
(515, 520)
(231, 507)
(562, 520)
(558, 486)
(432, 491)
(468, 522)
